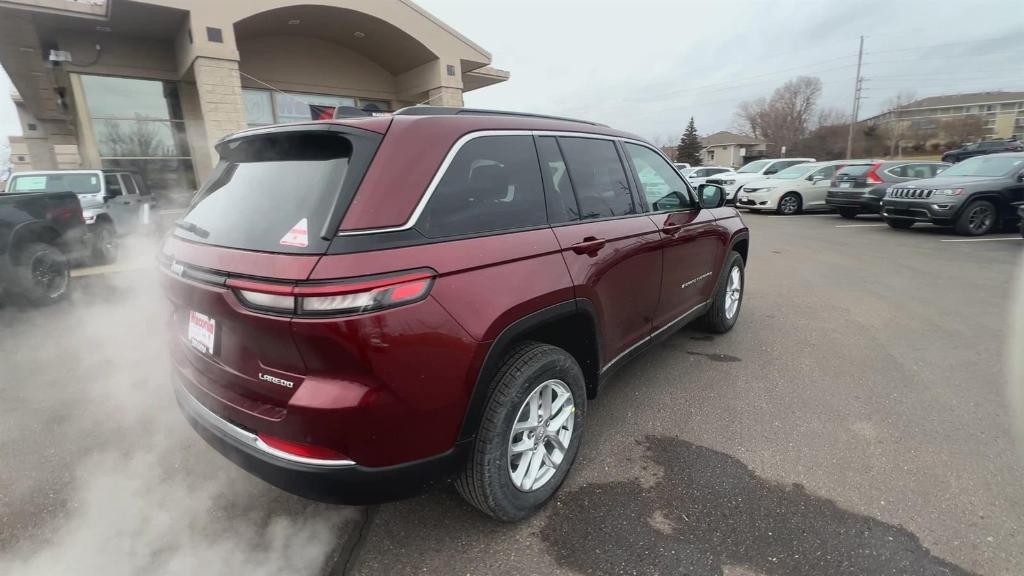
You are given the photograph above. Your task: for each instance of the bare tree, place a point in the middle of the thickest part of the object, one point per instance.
(749, 117)
(964, 128)
(894, 130)
(786, 117)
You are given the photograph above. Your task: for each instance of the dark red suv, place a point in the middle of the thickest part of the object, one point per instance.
(362, 305)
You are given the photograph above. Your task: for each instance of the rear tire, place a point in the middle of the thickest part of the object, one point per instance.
(488, 480)
(728, 296)
(42, 275)
(789, 204)
(900, 224)
(105, 248)
(849, 213)
(978, 218)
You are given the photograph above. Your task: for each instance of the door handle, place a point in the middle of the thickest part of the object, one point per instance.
(671, 229)
(589, 246)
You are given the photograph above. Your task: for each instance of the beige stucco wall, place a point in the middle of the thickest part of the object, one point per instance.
(121, 55)
(313, 65)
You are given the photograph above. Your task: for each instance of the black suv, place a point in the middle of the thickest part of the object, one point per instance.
(974, 196)
(982, 148)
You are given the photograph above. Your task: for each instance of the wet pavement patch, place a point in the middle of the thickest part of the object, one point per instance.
(715, 357)
(708, 511)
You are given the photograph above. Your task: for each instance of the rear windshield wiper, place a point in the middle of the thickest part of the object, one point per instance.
(193, 228)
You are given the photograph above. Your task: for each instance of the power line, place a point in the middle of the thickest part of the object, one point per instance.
(978, 41)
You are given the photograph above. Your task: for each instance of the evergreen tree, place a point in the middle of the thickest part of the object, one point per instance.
(689, 146)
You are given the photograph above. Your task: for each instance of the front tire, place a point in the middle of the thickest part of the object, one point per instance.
(789, 204)
(725, 304)
(42, 275)
(978, 219)
(849, 213)
(530, 433)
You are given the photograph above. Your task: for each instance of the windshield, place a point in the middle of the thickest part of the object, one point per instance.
(273, 193)
(88, 183)
(754, 167)
(798, 171)
(985, 166)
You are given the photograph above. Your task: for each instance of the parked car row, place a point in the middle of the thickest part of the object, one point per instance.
(976, 196)
(113, 203)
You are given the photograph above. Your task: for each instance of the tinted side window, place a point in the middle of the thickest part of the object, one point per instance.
(597, 176)
(113, 185)
(492, 184)
(561, 200)
(129, 184)
(662, 186)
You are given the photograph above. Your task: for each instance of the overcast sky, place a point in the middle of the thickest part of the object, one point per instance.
(648, 65)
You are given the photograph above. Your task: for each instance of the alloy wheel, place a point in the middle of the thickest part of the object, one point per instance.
(733, 292)
(789, 205)
(980, 219)
(49, 274)
(540, 435)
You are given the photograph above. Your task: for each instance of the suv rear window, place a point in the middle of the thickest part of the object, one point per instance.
(77, 183)
(855, 170)
(273, 193)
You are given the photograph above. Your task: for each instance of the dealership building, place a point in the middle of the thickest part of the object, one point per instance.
(151, 86)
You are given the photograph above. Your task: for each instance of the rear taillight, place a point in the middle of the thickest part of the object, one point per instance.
(337, 298)
(63, 213)
(872, 175)
(307, 451)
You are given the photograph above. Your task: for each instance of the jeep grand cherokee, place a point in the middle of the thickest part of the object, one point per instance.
(361, 305)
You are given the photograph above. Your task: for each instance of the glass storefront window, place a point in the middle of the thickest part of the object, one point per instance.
(110, 97)
(139, 127)
(263, 107)
(139, 139)
(259, 110)
(294, 107)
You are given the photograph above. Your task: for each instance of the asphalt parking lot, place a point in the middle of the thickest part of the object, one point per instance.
(854, 422)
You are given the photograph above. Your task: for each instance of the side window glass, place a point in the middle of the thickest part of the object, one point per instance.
(128, 184)
(492, 184)
(561, 200)
(113, 185)
(824, 173)
(661, 185)
(598, 178)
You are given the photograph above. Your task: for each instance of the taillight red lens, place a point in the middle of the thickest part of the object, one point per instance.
(335, 298)
(872, 176)
(300, 449)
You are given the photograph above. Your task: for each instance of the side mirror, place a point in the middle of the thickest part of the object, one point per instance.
(1020, 176)
(770, 171)
(817, 178)
(711, 196)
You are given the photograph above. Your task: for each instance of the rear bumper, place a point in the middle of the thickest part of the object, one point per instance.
(343, 482)
(862, 201)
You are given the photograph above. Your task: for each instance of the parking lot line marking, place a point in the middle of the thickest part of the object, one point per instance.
(799, 216)
(113, 268)
(983, 239)
(860, 225)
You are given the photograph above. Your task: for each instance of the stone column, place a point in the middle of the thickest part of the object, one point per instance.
(445, 96)
(220, 100)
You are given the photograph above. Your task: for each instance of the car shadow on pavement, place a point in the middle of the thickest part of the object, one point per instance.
(708, 510)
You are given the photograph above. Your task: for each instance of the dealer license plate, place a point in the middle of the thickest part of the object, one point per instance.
(202, 332)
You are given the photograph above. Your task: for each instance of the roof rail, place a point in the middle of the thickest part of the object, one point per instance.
(447, 111)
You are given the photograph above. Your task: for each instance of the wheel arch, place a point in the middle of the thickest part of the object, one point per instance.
(32, 232)
(571, 325)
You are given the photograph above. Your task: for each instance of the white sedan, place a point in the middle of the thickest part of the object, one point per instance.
(791, 191)
(699, 174)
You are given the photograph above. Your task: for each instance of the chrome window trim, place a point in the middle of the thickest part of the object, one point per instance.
(457, 147)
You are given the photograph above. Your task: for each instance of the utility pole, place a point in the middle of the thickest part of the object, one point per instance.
(856, 101)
